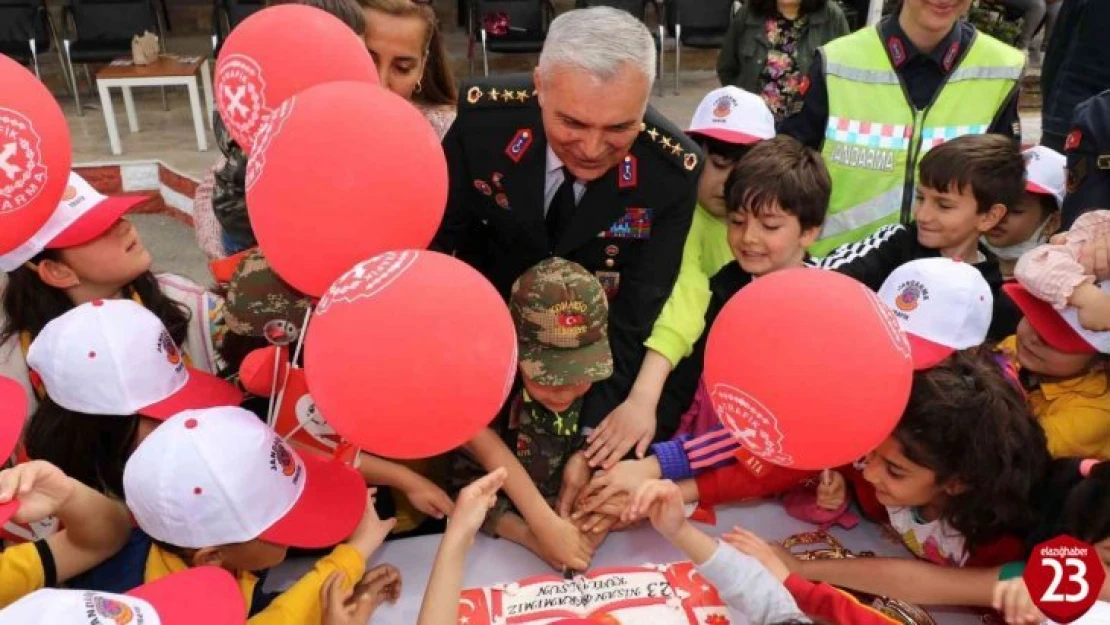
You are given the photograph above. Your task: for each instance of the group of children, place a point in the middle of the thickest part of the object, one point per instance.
(141, 481)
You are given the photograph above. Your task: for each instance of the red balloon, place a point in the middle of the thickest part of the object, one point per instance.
(256, 373)
(410, 354)
(345, 172)
(277, 53)
(808, 368)
(35, 154)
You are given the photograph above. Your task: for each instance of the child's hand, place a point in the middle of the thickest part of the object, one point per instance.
(1093, 306)
(575, 476)
(607, 514)
(625, 477)
(474, 502)
(747, 542)
(40, 487)
(342, 607)
(631, 424)
(371, 531)
(561, 544)
(832, 490)
(428, 498)
(661, 500)
(382, 583)
(1012, 599)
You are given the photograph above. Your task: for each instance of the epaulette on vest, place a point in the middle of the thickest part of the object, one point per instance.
(497, 93)
(658, 132)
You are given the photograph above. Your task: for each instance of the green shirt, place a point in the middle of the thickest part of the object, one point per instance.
(682, 319)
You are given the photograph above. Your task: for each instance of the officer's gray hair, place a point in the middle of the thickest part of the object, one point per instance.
(599, 40)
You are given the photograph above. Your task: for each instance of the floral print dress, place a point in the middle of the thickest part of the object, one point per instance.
(781, 78)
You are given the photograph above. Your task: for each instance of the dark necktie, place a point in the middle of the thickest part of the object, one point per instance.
(562, 208)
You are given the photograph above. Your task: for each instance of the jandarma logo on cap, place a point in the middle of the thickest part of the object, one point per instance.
(722, 108)
(910, 295)
(169, 349)
(570, 317)
(101, 610)
(282, 461)
(70, 193)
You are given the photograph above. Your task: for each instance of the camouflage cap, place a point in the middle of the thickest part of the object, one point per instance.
(256, 296)
(562, 318)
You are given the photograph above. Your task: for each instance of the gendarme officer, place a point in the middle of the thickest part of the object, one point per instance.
(573, 163)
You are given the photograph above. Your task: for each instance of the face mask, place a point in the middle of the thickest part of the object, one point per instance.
(1014, 252)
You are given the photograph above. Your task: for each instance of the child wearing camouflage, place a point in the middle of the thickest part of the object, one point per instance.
(561, 316)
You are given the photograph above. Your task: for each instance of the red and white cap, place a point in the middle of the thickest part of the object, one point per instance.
(83, 215)
(733, 115)
(942, 305)
(1046, 172)
(1060, 329)
(13, 413)
(114, 357)
(205, 594)
(220, 476)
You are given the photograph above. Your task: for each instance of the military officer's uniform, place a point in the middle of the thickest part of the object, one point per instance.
(628, 227)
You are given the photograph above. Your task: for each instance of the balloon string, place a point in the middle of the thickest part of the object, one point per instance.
(271, 416)
(270, 412)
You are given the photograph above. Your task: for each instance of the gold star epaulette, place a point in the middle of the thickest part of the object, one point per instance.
(678, 148)
(492, 96)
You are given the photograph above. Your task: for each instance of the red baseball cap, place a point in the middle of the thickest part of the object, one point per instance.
(1059, 329)
(205, 594)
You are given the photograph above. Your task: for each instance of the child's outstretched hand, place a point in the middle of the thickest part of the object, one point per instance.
(747, 542)
(832, 490)
(343, 607)
(661, 501)
(371, 531)
(40, 487)
(624, 478)
(575, 477)
(474, 502)
(561, 544)
(1012, 599)
(428, 498)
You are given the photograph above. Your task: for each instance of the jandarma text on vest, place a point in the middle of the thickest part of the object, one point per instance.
(865, 158)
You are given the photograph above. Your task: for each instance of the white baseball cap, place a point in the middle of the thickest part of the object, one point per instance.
(1046, 172)
(219, 476)
(114, 357)
(206, 594)
(943, 306)
(1060, 329)
(733, 115)
(82, 215)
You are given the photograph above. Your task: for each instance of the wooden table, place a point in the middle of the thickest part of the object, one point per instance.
(167, 71)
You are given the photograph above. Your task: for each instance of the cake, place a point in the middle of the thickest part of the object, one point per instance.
(659, 594)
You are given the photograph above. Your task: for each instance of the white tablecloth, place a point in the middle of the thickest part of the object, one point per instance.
(500, 561)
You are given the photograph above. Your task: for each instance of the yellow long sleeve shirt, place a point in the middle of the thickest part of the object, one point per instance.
(21, 572)
(1074, 413)
(298, 605)
(682, 320)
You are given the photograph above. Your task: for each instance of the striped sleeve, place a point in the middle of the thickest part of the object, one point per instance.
(873, 259)
(714, 449)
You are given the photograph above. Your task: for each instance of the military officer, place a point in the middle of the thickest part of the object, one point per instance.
(572, 162)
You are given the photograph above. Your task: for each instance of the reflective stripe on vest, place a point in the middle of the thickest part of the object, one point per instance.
(875, 137)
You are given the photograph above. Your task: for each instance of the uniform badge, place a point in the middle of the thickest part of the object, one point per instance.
(803, 87)
(522, 140)
(1072, 142)
(610, 282)
(496, 178)
(612, 250)
(690, 162)
(950, 56)
(634, 224)
(474, 95)
(483, 187)
(897, 51)
(628, 175)
(502, 200)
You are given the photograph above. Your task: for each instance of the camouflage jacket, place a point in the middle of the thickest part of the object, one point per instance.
(229, 195)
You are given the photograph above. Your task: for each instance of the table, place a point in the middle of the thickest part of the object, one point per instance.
(500, 561)
(167, 71)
